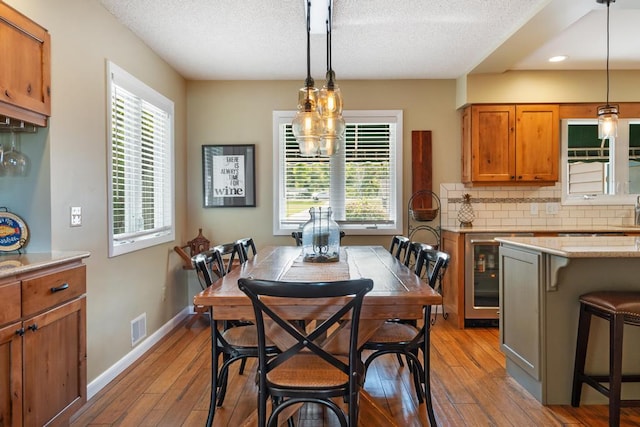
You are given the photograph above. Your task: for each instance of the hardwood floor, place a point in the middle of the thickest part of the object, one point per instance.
(169, 386)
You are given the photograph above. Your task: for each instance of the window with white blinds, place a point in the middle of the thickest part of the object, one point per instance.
(141, 187)
(361, 183)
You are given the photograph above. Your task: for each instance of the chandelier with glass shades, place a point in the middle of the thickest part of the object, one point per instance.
(607, 114)
(319, 126)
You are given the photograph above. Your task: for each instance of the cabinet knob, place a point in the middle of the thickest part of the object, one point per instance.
(33, 327)
(6, 93)
(29, 88)
(20, 331)
(519, 176)
(512, 177)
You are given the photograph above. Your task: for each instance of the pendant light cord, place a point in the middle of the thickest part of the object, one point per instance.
(329, 25)
(608, 3)
(309, 82)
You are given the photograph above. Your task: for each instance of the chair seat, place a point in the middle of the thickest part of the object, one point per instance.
(243, 336)
(393, 332)
(308, 371)
(614, 302)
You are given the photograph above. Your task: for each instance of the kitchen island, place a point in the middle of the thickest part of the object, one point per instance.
(541, 279)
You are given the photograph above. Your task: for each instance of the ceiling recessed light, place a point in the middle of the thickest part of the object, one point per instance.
(558, 58)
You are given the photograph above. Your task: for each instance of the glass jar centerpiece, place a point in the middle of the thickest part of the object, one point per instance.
(321, 237)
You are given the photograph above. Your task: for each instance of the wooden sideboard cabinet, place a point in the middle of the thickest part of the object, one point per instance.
(43, 345)
(25, 68)
(513, 144)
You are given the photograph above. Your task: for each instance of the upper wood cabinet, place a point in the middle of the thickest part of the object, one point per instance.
(25, 68)
(517, 144)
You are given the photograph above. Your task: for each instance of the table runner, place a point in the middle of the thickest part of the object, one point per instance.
(301, 271)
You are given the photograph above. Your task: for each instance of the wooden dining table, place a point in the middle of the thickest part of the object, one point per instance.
(397, 293)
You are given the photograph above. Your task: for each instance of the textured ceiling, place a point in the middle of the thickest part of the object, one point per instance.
(372, 39)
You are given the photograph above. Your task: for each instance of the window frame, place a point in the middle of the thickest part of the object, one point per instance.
(351, 117)
(619, 153)
(128, 242)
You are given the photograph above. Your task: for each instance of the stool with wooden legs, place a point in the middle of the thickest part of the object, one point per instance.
(619, 308)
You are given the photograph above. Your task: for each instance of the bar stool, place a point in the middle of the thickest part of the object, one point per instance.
(619, 308)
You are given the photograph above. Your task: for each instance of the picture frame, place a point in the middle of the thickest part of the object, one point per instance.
(228, 175)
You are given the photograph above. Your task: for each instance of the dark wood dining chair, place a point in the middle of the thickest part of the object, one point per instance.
(236, 340)
(244, 248)
(405, 338)
(398, 246)
(229, 252)
(411, 254)
(305, 371)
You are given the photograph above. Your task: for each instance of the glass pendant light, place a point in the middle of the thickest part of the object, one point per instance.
(307, 126)
(330, 105)
(607, 114)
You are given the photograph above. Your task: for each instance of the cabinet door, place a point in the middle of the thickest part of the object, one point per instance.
(537, 143)
(493, 143)
(55, 364)
(466, 145)
(453, 279)
(25, 69)
(11, 375)
(520, 302)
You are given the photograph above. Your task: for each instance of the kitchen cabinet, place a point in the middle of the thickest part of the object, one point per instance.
(520, 333)
(453, 280)
(43, 345)
(510, 144)
(25, 68)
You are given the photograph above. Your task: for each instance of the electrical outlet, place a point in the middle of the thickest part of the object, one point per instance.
(552, 208)
(76, 216)
(534, 209)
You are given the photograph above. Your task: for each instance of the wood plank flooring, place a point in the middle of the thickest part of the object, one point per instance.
(170, 385)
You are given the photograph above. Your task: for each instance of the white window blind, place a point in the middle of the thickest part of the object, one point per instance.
(361, 183)
(141, 165)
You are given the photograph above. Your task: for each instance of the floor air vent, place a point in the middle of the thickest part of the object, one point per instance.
(138, 329)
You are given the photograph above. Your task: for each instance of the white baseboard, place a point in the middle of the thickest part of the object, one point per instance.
(117, 368)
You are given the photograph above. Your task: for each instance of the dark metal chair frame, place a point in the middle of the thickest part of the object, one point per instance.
(203, 263)
(283, 396)
(435, 263)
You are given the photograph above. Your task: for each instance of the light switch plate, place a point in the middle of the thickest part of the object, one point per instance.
(76, 216)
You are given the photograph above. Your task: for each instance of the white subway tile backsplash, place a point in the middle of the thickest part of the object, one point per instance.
(509, 206)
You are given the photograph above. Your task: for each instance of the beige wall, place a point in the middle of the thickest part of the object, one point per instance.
(550, 86)
(83, 36)
(240, 112)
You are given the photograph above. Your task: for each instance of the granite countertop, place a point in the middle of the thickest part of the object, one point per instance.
(580, 247)
(12, 264)
(546, 229)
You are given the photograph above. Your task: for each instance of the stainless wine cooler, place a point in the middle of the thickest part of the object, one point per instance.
(482, 276)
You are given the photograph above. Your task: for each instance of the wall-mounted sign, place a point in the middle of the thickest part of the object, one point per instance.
(228, 173)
